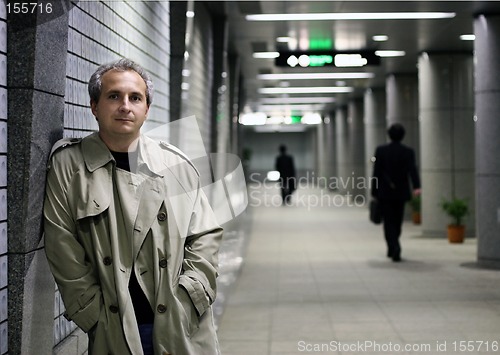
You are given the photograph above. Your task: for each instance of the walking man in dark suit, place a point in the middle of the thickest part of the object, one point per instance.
(394, 168)
(285, 166)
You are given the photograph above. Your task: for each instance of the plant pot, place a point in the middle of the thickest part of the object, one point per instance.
(456, 234)
(416, 217)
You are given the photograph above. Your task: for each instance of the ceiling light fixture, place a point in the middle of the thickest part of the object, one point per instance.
(390, 53)
(311, 76)
(283, 39)
(297, 100)
(265, 55)
(306, 90)
(290, 107)
(467, 37)
(380, 38)
(352, 16)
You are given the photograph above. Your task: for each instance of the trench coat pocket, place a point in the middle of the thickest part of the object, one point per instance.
(192, 322)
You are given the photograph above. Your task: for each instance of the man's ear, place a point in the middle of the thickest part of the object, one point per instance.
(93, 106)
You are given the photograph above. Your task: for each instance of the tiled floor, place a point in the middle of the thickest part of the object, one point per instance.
(315, 280)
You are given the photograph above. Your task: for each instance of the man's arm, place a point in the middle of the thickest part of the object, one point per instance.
(74, 275)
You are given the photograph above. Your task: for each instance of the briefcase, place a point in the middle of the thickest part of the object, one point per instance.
(375, 212)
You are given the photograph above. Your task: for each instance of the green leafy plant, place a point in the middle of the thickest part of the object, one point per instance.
(456, 208)
(416, 203)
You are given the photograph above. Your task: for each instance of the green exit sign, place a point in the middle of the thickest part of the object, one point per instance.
(320, 60)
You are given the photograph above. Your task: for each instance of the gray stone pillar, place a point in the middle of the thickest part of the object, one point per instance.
(447, 133)
(487, 100)
(320, 153)
(342, 158)
(177, 48)
(37, 49)
(356, 147)
(220, 100)
(330, 159)
(402, 107)
(375, 127)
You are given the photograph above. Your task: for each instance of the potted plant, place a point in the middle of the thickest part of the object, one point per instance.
(457, 209)
(416, 205)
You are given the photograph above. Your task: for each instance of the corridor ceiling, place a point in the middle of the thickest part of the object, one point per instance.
(413, 36)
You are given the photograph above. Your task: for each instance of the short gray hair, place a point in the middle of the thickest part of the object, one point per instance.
(124, 64)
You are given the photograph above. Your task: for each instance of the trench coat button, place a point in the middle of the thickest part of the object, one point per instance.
(113, 308)
(107, 260)
(163, 263)
(161, 308)
(162, 216)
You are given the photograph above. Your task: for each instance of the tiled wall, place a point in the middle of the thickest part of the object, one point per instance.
(100, 32)
(3, 178)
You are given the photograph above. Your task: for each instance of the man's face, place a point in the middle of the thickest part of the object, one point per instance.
(122, 107)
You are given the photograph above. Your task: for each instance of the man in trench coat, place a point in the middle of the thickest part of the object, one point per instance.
(129, 235)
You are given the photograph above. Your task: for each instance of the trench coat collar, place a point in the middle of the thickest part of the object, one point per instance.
(96, 154)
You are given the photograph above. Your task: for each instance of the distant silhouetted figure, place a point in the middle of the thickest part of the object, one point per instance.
(394, 168)
(285, 166)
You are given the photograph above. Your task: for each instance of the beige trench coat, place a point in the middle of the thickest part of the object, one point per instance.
(166, 231)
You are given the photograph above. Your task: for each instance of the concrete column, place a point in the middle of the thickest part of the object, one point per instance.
(375, 127)
(402, 107)
(447, 133)
(320, 152)
(356, 147)
(487, 100)
(330, 160)
(341, 134)
(234, 101)
(220, 99)
(177, 48)
(37, 49)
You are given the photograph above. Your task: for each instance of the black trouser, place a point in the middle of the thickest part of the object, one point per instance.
(392, 212)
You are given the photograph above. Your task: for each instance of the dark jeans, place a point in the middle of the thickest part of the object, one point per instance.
(146, 333)
(393, 212)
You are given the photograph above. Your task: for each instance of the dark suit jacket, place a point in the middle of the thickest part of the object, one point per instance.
(284, 164)
(394, 168)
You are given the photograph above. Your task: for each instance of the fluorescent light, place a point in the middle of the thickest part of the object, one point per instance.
(283, 39)
(390, 53)
(253, 119)
(311, 76)
(265, 55)
(306, 90)
(352, 16)
(467, 37)
(311, 118)
(290, 107)
(297, 100)
(273, 175)
(380, 38)
(190, 14)
(280, 128)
